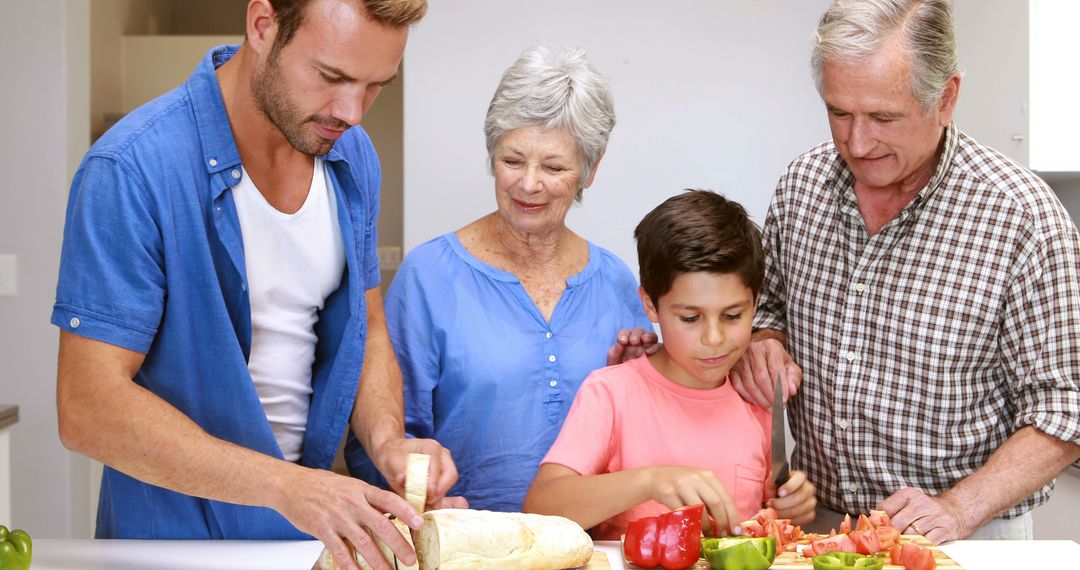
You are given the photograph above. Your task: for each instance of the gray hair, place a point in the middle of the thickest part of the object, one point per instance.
(554, 88)
(852, 29)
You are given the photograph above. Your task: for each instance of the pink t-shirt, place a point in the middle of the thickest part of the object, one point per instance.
(631, 416)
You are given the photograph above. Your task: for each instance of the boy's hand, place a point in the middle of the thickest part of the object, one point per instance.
(795, 499)
(630, 344)
(676, 487)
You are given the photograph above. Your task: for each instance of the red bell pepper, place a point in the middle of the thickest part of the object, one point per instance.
(671, 541)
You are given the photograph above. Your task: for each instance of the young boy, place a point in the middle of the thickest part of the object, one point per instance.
(665, 431)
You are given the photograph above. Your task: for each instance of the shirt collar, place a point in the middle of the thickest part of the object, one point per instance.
(211, 120)
(844, 180)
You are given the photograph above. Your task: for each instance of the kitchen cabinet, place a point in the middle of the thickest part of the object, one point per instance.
(1019, 85)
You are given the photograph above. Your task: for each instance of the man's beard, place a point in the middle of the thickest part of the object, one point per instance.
(268, 88)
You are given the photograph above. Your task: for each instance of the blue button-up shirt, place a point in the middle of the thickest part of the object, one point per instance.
(485, 373)
(153, 261)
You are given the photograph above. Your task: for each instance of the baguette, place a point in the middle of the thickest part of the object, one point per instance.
(327, 562)
(465, 539)
(416, 480)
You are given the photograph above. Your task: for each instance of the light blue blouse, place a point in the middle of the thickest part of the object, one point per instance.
(485, 374)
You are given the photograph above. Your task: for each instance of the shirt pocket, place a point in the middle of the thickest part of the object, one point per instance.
(749, 489)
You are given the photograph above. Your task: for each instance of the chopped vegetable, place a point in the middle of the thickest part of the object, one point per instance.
(842, 560)
(15, 549)
(739, 553)
(671, 540)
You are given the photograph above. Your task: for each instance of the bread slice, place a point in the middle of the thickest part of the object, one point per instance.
(466, 539)
(327, 562)
(416, 480)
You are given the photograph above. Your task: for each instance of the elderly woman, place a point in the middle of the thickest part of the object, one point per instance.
(497, 324)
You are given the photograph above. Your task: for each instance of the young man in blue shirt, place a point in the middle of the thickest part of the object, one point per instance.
(218, 298)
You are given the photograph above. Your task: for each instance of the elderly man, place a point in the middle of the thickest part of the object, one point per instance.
(221, 322)
(927, 287)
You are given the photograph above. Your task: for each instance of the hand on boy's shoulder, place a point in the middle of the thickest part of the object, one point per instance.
(630, 344)
(754, 376)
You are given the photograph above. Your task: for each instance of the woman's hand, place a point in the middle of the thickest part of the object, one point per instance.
(630, 344)
(795, 499)
(676, 487)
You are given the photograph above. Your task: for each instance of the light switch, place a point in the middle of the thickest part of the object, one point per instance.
(7, 275)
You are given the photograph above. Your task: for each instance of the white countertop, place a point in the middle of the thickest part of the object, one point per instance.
(54, 554)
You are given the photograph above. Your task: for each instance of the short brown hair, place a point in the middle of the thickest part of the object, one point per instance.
(393, 13)
(698, 230)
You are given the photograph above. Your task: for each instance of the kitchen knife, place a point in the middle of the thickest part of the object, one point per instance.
(779, 450)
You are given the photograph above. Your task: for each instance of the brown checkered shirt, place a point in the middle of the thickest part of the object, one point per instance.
(925, 346)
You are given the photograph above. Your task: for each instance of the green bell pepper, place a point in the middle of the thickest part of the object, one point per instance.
(14, 549)
(739, 552)
(843, 560)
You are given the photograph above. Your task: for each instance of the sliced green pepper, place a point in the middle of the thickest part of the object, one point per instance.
(739, 553)
(843, 560)
(15, 549)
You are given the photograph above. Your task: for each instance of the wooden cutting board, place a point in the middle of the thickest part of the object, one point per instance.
(598, 561)
(794, 561)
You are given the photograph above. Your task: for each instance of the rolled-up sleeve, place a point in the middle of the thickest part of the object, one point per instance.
(111, 284)
(1041, 336)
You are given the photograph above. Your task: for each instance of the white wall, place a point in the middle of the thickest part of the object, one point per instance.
(707, 94)
(42, 105)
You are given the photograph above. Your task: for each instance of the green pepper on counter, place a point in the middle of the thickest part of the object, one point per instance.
(14, 549)
(842, 560)
(739, 552)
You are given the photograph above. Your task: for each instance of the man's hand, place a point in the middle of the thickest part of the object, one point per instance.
(795, 499)
(676, 487)
(336, 510)
(754, 375)
(936, 518)
(392, 457)
(630, 344)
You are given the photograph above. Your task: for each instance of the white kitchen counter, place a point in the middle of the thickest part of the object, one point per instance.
(53, 554)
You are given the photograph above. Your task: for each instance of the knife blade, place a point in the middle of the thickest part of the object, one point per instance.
(780, 472)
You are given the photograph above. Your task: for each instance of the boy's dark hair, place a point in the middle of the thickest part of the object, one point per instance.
(698, 230)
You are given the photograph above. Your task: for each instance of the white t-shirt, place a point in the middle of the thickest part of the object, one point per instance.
(294, 262)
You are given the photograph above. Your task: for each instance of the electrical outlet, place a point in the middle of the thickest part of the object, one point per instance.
(7, 275)
(389, 258)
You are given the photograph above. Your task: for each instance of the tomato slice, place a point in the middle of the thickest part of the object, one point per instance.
(765, 515)
(880, 519)
(913, 557)
(845, 527)
(866, 541)
(753, 529)
(838, 543)
(887, 537)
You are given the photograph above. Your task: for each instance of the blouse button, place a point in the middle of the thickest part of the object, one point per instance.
(552, 358)
(548, 335)
(553, 383)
